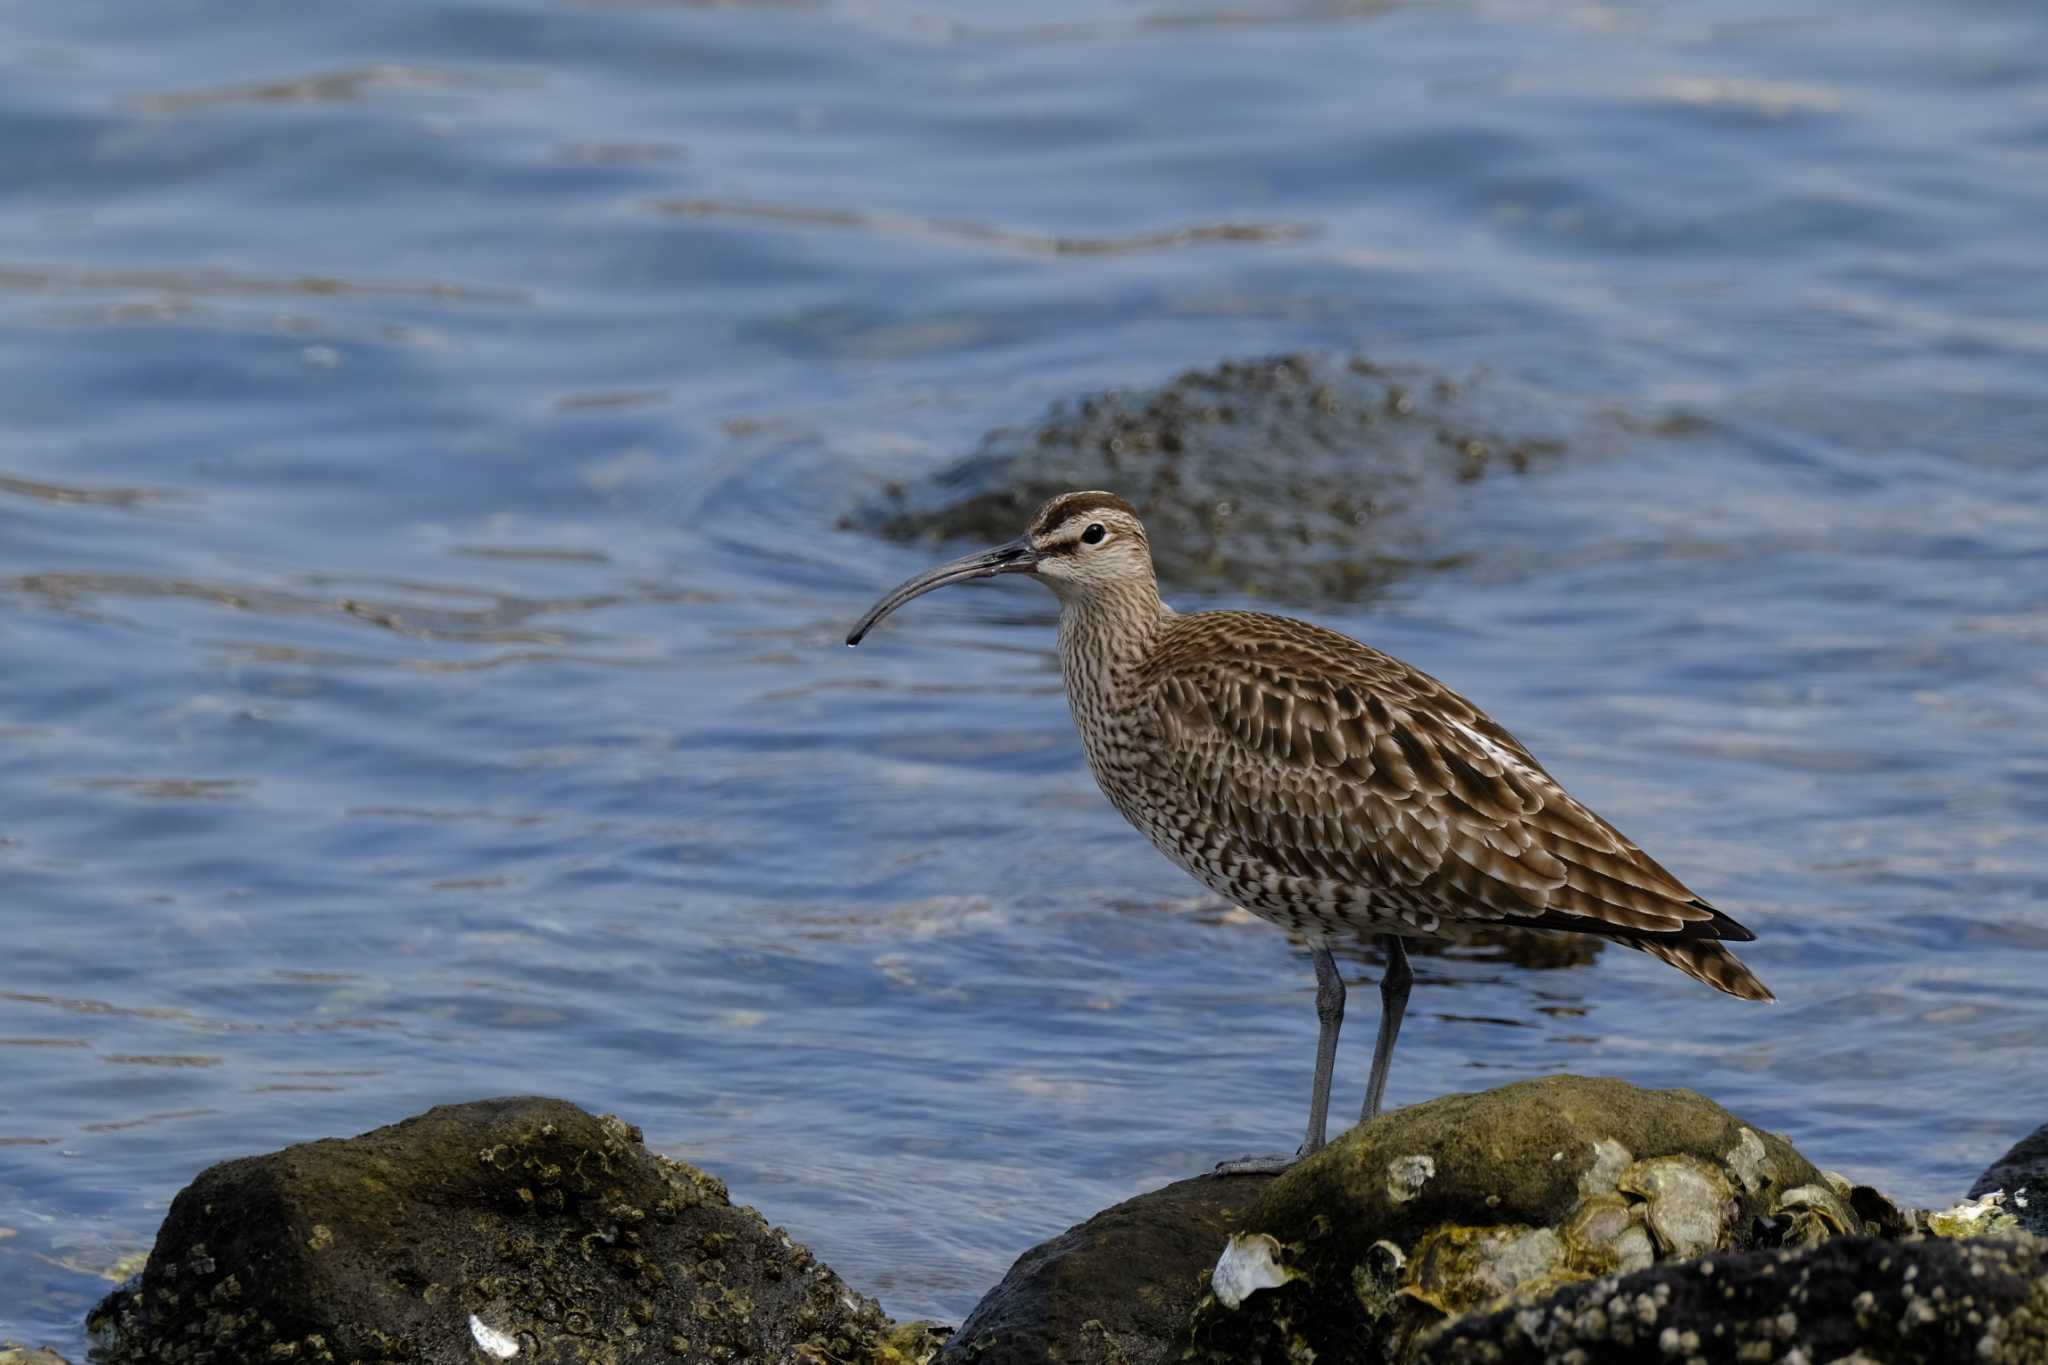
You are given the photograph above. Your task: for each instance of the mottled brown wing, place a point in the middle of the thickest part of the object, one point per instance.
(1345, 762)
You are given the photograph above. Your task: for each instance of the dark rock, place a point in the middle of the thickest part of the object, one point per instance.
(2023, 1174)
(1295, 478)
(1448, 1207)
(1854, 1299)
(529, 1218)
(1114, 1290)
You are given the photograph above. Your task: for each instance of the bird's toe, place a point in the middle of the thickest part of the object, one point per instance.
(1257, 1165)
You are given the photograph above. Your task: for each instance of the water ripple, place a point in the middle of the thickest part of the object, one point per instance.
(984, 235)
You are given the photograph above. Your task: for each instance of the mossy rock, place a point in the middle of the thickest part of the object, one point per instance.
(1459, 1204)
(1296, 478)
(1853, 1299)
(508, 1222)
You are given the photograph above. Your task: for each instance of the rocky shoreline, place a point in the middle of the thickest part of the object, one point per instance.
(1566, 1220)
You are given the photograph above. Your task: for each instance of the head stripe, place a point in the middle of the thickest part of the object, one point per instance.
(1068, 505)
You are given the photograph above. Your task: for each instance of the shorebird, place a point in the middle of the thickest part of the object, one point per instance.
(1324, 786)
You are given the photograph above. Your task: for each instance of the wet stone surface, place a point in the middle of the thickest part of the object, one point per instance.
(1295, 479)
(1114, 1290)
(510, 1228)
(1919, 1302)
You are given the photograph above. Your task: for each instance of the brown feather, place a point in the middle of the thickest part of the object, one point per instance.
(1705, 960)
(1439, 814)
(1073, 504)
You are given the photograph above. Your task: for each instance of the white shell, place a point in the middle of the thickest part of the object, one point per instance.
(1249, 1263)
(491, 1341)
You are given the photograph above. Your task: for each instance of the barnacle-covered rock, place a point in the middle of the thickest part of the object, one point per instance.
(510, 1229)
(1466, 1202)
(1851, 1299)
(1607, 1233)
(1686, 1200)
(1456, 1268)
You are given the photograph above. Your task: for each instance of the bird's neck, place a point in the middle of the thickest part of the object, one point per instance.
(1104, 636)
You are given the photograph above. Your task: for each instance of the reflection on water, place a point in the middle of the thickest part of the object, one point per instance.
(422, 577)
(979, 234)
(208, 283)
(344, 86)
(99, 497)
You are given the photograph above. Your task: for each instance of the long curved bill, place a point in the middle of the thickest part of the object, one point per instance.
(1015, 557)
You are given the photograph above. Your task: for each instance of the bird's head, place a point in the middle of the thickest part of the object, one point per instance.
(1086, 547)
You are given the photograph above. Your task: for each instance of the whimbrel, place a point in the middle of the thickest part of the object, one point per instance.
(1323, 785)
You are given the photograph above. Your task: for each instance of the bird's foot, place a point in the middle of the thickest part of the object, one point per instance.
(1257, 1165)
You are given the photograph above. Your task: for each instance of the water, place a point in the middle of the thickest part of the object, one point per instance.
(424, 430)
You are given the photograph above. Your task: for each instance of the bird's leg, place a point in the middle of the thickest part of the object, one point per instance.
(1329, 1019)
(1393, 1004)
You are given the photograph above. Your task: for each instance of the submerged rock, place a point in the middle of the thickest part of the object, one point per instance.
(1114, 1290)
(2022, 1174)
(1295, 478)
(1853, 1299)
(1452, 1206)
(509, 1229)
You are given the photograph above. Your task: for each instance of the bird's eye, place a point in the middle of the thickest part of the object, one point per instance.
(1094, 534)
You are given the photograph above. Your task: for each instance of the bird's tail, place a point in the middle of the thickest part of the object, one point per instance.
(1703, 959)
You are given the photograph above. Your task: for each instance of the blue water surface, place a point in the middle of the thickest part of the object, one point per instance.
(424, 432)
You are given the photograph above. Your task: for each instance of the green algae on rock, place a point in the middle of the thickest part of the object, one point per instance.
(1456, 1205)
(1917, 1302)
(520, 1229)
(1295, 478)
